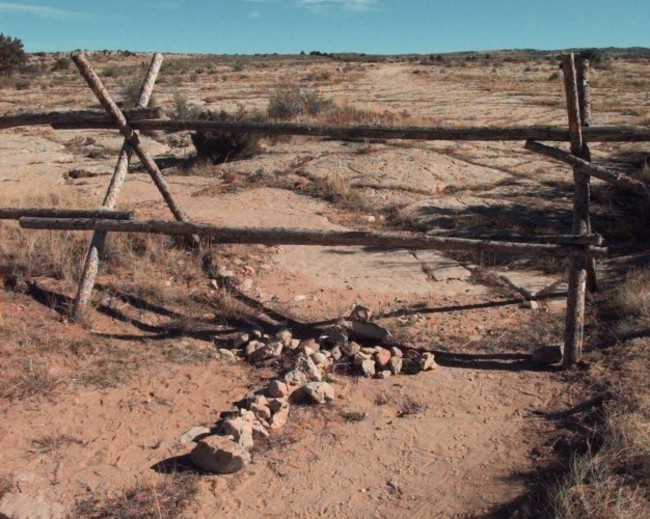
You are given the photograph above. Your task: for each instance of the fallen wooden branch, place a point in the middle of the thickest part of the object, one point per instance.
(15, 213)
(76, 119)
(283, 236)
(603, 173)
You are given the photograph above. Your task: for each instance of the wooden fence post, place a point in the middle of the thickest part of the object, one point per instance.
(575, 311)
(584, 98)
(96, 246)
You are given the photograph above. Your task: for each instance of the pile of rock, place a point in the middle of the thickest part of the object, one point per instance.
(309, 362)
(332, 352)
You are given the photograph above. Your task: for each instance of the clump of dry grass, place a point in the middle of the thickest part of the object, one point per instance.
(33, 378)
(632, 297)
(28, 254)
(614, 482)
(168, 499)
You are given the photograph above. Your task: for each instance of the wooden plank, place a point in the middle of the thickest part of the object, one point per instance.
(96, 246)
(617, 178)
(91, 118)
(15, 213)
(283, 236)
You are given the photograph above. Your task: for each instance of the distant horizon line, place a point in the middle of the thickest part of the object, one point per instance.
(356, 53)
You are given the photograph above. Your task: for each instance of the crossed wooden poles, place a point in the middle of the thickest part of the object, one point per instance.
(582, 246)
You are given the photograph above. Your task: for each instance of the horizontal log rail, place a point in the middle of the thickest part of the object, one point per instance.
(282, 236)
(76, 118)
(475, 133)
(15, 213)
(608, 175)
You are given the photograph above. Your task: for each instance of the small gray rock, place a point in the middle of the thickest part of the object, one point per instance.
(309, 368)
(284, 336)
(240, 429)
(319, 358)
(384, 374)
(194, 434)
(368, 368)
(280, 417)
(220, 455)
(227, 355)
(309, 344)
(350, 348)
(427, 361)
(396, 352)
(295, 378)
(395, 365)
(318, 392)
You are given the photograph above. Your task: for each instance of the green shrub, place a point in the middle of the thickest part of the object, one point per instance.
(221, 146)
(12, 55)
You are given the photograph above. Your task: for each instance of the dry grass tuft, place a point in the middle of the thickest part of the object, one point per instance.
(612, 483)
(33, 379)
(632, 297)
(167, 499)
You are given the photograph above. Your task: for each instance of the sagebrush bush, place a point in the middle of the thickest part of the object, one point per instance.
(220, 146)
(288, 103)
(12, 55)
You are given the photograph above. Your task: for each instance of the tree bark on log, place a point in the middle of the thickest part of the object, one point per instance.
(608, 175)
(96, 246)
(283, 236)
(93, 118)
(15, 213)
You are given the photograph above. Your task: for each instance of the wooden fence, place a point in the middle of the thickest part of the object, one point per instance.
(582, 246)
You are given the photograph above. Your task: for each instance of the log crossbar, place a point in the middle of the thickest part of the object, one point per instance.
(76, 118)
(478, 133)
(283, 236)
(15, 213)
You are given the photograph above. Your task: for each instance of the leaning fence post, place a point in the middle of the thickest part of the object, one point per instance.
(584, 98)
(96, 246)
(575, 311)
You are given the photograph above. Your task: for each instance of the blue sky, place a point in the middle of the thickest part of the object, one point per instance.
(289, 26)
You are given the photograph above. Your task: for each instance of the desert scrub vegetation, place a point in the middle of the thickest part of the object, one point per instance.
(12, 55)
(291, 102)
(219, 146)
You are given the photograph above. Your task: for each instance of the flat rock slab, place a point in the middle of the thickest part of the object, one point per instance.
(533, 284)
(384, 271)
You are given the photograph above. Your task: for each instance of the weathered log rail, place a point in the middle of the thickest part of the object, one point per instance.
(16, 213)
(284, 236)
(582, 245)
(476, 133)
(76, 118)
